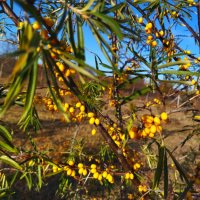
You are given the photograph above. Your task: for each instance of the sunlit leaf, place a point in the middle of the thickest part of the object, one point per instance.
(179, 72)
(87, 6)
(182, 62)
(31, 89)
(10, 162)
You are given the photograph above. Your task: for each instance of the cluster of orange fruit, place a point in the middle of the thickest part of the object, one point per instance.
(66, 72)
(116, 134)
(153, 103)
(150, 39)
(151, 126)
(93, 121)
(149, 29)
(72, 170)
(186, 66)
(191, 2)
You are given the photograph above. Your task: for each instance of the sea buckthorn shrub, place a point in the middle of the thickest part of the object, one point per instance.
(125, 98)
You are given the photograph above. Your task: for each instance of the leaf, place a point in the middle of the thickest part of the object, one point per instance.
(159, 168)
(165, 176)
(20, 64)
(131, 81)
(39, 175)
(56, 98)
(176, 81)
(71, 32)
(112, 24)
(16, 85)
(81, 48)
(29, 181)
(96, 62)
(114, 69)
(31, 90)
(182, 173)
(136, 94)
(62, 21)
(5, 133)
(182, 62)
(10, 162)
(87, 6)
(101, 41)
(114, 8)
(179, 72)
(139, 57)
(78, 69)
(14, 177)
(7, 147)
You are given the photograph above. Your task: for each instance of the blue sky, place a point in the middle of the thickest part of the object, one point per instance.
(91, 44)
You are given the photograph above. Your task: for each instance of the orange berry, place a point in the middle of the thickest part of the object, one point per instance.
(93, 131)
(140, 20)
(92, 120)
(163, 116)
(149, 25)
(36, 25)
(49, 22)
(153, 129)
(156, 120)
(97, 122)
(154, 43)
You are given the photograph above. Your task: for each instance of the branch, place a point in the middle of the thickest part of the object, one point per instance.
(8, 11)
(195, 35)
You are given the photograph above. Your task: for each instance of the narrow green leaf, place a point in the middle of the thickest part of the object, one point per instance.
(136, 94)
(5, 133)
(10, 162)
(102, 43)
(81, 48)
(179, 72)
(7, 147)
(112, 24)
(131, 81)
(169, 64)
(87, 6)
(176, 81)
(139, 57)
(31, 89)
(71, 32)
(96, 62)
(55, 97)
(159, 168)
(114, 8)
(29, 182)
(39, 175)
(182, 173)
(161, 60)
(81, 63)
(78, 69)
(62, 21)
(114, 69)
(14, 177)
(165, 176)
